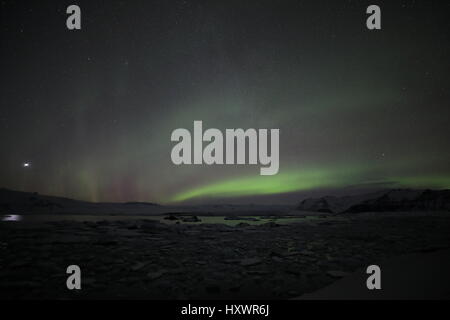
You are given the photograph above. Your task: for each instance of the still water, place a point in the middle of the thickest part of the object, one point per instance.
(254, 220)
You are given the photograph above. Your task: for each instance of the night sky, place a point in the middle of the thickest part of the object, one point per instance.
(91, 112)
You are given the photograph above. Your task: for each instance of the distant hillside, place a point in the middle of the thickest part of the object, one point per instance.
(382, 201)
(27, 202)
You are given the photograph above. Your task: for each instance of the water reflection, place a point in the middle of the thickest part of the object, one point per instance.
(254, 220)
(12, 218)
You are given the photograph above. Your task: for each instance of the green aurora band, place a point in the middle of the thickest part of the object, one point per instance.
(304, 180)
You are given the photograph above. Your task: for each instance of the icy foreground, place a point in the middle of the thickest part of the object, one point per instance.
(151, 260)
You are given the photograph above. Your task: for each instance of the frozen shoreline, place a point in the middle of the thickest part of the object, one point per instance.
(150, 260)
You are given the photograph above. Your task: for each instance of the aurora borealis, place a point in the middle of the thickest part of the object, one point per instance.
(292, 181)
(92, 111)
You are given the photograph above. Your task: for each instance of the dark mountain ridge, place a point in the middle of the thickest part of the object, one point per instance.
(382, 201)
